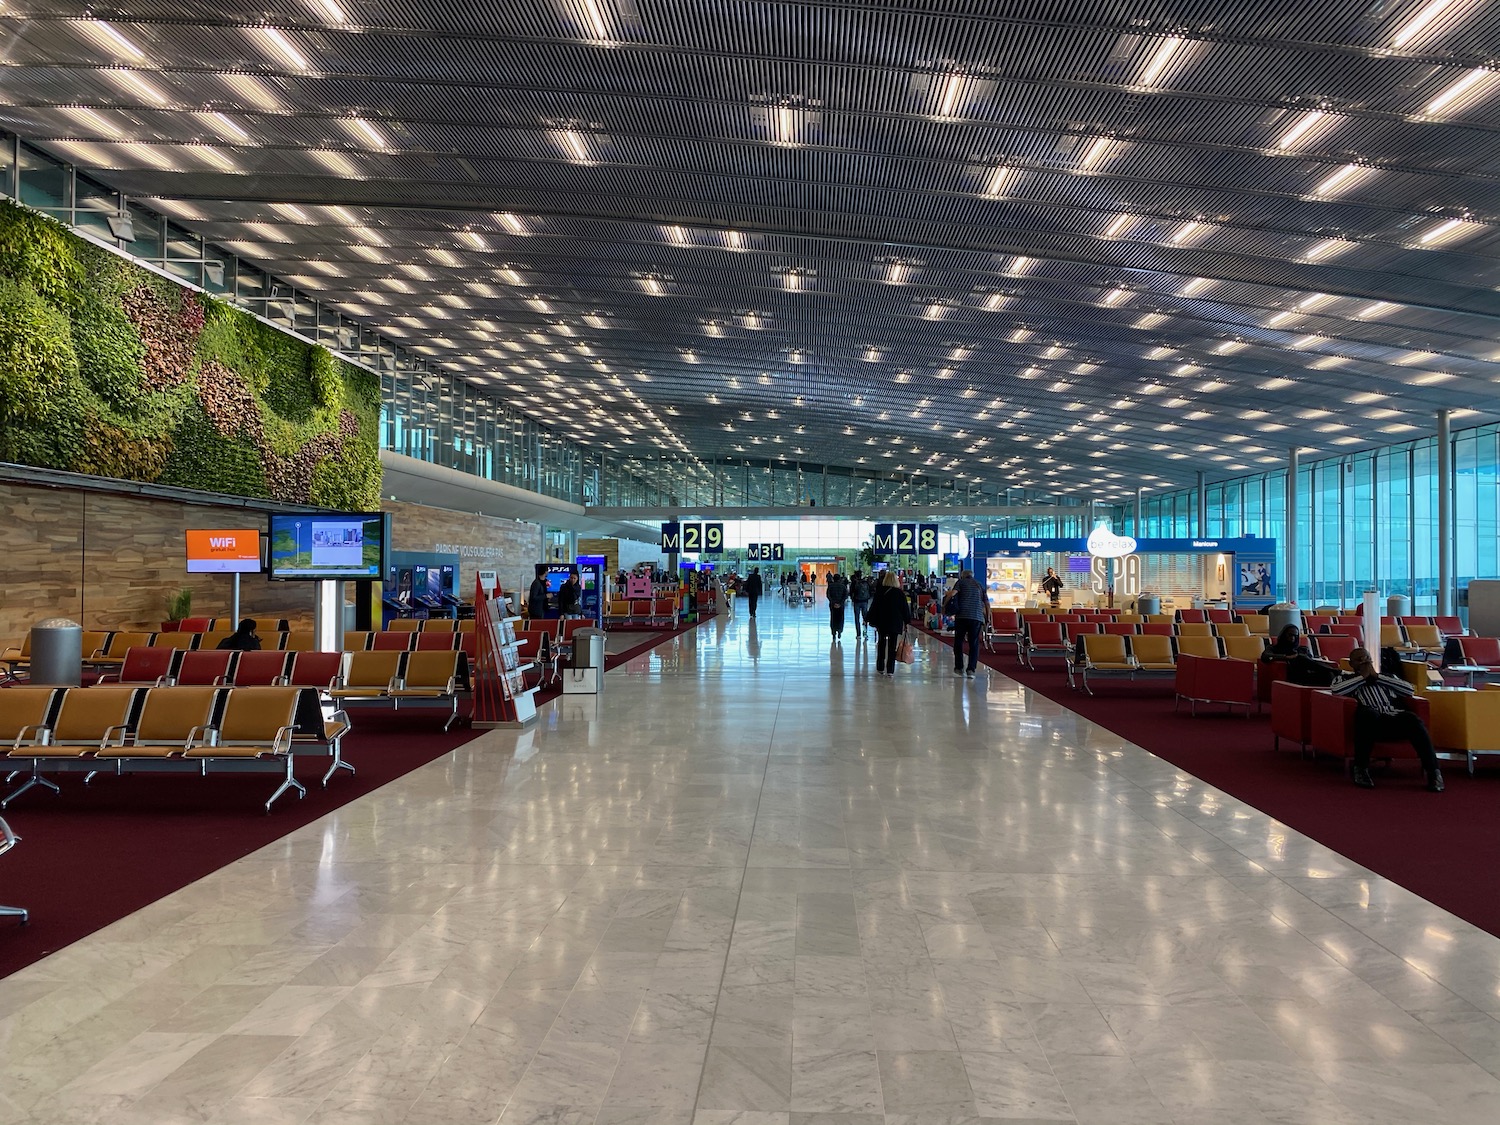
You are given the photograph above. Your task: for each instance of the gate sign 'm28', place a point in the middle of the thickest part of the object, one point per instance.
(906, 539)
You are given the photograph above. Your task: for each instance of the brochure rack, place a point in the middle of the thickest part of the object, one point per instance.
(501, 697)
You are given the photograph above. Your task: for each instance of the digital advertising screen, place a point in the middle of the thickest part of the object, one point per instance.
(343, 545)
(235, 551)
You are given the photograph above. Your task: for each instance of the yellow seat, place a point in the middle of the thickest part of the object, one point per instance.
(1243, 647)
(299, 642)
(440, 625)
(23, 714)
(1195, 629)
(1428, 638)
(184, 641)
(404, 625)
(1203, 645)
(87, 721)
(173, 721)
(1232, 629)
(430, 675)
(1465, 722)
(1391, 636)
(1258, 623)
(1152, 653)
(369, 674)
(1104, 654)
(114, 649)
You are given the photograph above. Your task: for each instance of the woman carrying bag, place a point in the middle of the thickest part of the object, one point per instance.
(890, 613)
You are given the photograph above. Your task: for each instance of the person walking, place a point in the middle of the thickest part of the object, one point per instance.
(753, 589)
(890, 613)
(859, 597)
(966, 603)
(838, 595)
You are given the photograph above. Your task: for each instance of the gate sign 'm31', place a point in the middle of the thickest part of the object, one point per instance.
(906, 539)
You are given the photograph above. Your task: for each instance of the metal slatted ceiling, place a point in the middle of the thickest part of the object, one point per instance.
(866, 175)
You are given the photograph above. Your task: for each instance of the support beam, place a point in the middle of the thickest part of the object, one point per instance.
(1201, 530)
(1291, 525)
(1445, 514)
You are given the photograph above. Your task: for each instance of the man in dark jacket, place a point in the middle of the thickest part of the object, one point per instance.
(242, 639)
(536, 599)
(753, 589)
(860, 592)
(966, 604)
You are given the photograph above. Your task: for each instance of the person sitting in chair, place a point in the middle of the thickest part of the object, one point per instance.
(1384, 715)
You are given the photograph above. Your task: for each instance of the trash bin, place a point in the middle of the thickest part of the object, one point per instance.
(1398, 605)
(586, 676)
(1147, 604)
(1281, 615)
(57, 653)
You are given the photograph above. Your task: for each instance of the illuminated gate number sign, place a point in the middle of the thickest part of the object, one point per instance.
(765, 552)
(692, 538)
(905, 539)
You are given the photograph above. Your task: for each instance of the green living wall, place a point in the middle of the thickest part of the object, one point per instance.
(109, 369)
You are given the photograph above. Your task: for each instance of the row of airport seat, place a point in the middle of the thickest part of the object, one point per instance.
(646, 611)
(120, 728)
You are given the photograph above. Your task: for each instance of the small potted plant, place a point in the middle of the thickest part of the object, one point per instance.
(179, 605)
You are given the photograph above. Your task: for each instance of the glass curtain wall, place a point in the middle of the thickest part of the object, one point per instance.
(1366, 520)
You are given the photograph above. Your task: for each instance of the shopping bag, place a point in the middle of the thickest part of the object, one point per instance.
(905, 653)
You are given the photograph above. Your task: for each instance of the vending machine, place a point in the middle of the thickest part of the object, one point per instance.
(591, 574)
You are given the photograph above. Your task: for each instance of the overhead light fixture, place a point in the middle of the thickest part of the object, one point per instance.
(1302, 128)
(213, 273)
(1196, 285)
(935, 310)
(512, 223)
(1096, 152)
(226, 126)
(91, 119)
(336, 162)
(107, 37)
(593, 16)
(281, 47)
(133, 83)
(1189, 233)
(1420, 22)
(1000, 176)
(1452, 230)
(1472, 88)
(895, 271)
(214, 157)
(1375, 311)
(1339, 182)
(952, 86)
(1116, 228)
(1167, 50)
(574, 145)
(365, 131)
(1328, 248)
(1151, 320)
(1114, 297)
(652, 285)
(121, 226)
(474, 239)
(253, 91)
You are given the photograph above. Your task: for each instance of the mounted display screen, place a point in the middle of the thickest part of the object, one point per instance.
(345, 545)
(223, 552)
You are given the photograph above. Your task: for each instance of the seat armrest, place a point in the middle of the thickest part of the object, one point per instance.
(114, 736)
(202, 736)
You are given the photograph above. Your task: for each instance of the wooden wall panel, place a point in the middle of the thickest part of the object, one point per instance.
(509, 547)
(108, 561)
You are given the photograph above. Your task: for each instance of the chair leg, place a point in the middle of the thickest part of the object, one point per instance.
(338, 761)
(32, 782)
(15, 912)
(288, 782)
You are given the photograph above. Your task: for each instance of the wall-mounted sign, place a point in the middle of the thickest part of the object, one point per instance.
(671, 538)
(1105, 544)
(692, 538)
(765, 552)
(905, 539)
(713, 539)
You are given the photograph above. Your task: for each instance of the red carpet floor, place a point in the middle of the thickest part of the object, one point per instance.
(100, 852)
(1442, 847)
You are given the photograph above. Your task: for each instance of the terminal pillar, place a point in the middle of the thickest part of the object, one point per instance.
(1291, 525)
(1444, 515)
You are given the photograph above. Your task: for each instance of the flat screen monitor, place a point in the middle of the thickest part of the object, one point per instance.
(1080, 564)
(235, 551)
(339, 545)
(557, 574)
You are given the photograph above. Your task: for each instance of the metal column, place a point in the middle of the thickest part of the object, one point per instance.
(1445, 515)
(1202, 528)
(1140, 507)
(1291, 525)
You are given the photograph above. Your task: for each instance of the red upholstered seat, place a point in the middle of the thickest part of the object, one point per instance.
(1481, 651)
(1201, 679)
(1291, 713)
(1331, 727)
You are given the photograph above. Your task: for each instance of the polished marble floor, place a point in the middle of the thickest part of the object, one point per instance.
(753, 883)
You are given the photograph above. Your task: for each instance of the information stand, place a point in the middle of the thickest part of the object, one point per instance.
(501, 697)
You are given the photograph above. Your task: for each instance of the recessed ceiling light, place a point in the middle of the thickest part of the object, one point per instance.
(1340, 181)
(1452, 230)
(1302, 129)
(1419, 23)
(1467, 91)
(280, 46)
(1162, 58)
(110, 39)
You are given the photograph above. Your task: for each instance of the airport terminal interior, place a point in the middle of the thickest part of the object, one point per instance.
(432, 444)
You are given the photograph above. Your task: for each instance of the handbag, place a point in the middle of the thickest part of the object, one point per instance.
(905, 652)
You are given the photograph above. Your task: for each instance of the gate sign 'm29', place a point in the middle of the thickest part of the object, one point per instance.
(692, 538)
